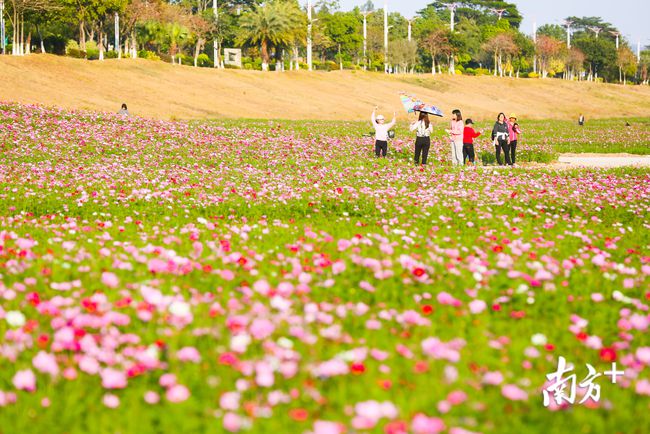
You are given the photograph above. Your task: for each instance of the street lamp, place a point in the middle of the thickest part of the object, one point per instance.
(365, 37)
(617, 34)
(386, 36)
(567, 24)
(452, 8)
(596, 30)
(499, 12)
(2, 26)
(410, 21)
(309, 36)
(535, 42)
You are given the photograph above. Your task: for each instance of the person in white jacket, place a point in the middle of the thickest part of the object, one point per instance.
(381, 132)
(423, 129)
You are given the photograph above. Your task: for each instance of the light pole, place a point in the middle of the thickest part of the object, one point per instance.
(2, 26)
(410, 21)
(365, 38)
(638, 51)
(309, 40)
(617, 34)
(596, 30)
(535, 42)
(452, 8)
(386, 36)
(499, 12)
(215, 45)
(117, 36)
(567, 24)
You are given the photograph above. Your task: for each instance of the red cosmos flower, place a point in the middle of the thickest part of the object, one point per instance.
(582, 336)
(207, 268)
(227, 359)
(79, 333)
(420, 367)
(496, 307)
(298, 414)
(42, 341)
(497, 249)
(90, 306)
(396, 427)
(385, 384)
(123, 302)
(608, 354)
(418, 272)
(30, 326)
(357, 368)
(427, 309)
(33, 298)
(549, 347)
(517, 314)
(160, 344)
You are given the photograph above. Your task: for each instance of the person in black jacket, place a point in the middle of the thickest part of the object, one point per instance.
(501, 139)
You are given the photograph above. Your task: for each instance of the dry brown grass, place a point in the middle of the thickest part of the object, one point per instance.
(159, 90)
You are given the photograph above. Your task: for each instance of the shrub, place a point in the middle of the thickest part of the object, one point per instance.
(111, 54)
(204, 61)
(533, 75)
(92, 52)
(149, 55)
(72, 50)
(482, 71)
(470, 71)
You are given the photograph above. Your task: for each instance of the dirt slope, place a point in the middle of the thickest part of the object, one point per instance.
(159, 90)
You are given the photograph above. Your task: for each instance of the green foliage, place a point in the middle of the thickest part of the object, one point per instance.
(72, 50)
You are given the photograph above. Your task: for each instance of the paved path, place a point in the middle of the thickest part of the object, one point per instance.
(603, 160)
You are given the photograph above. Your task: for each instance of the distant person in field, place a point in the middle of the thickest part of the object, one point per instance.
(581, 120)
(501, 138)
(456, 136)
(124, 111)
(515, 131)
(381, 132)
(423, 129)
(469, 134)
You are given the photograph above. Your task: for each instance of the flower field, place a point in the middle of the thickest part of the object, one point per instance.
(273, 277)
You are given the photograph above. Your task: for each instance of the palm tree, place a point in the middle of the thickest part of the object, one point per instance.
(275, 23)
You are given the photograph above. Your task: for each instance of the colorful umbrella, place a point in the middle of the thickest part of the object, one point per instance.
(412, 104)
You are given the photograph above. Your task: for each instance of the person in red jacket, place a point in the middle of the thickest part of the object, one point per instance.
(468, 142)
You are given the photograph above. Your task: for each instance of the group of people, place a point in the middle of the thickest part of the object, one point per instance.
(505, 136)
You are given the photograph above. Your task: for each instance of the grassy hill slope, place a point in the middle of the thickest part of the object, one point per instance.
(159, 90)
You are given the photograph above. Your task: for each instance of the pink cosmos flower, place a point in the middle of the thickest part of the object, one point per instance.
(261, 328)
(643, 355)
(151, 397)
(46, 363)
(232, 422)
(177, 393)
(110, 279)
(188, 354)
(422, 424)
(229, 401)
(111, 401)
(113, 379)
(514, 393)
(477, 306)
(25, 380)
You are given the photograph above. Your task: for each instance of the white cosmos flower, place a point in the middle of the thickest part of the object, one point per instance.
(538, 339)
(15, 318)
(179, 309)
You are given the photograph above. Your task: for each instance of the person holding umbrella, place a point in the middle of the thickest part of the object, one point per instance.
(423, 129)
(381, 132)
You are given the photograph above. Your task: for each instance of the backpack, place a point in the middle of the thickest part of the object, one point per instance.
(391, 134)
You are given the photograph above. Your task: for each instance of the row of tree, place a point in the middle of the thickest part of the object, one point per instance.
(447, 36)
